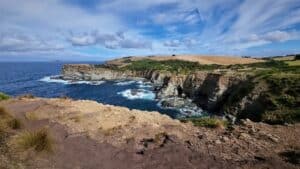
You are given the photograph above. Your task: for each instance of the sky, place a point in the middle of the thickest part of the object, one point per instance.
(104, 29)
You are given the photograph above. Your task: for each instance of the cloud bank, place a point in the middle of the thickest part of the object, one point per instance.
(105, 29)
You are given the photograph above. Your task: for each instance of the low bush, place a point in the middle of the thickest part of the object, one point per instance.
(3, 96)
(175, 66)
(210, 122)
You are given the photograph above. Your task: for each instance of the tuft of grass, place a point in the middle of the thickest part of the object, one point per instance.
(3, 111)
(209, 122)
(15, 123)
(31, 116)
(8, 121)
(3, 96)
(28, 96)
(39, 140)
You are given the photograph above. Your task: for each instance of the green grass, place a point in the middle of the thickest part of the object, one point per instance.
(174, 66)
(3, 96)
(38, 140)
(293, 63)
(209, 122)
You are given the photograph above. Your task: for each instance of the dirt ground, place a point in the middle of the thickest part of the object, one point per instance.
(90, 135)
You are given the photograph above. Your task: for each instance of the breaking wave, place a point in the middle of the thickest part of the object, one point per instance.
(133, 94)
(55, 79)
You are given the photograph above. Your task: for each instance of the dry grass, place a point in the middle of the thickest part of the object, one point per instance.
(8, 121)
(31, 116)
(38, 140)
(15, 123)
(110, 131)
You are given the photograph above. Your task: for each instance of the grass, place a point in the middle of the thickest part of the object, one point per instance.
(209, 122)
(3, 96)
(39, 140)
(174, 66)
(293, 63)
(31, 116)
(15, 123)
(8, 121)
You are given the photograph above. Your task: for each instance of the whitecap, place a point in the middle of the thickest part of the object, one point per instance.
(124, 83)
(55, 79)
(142, 84)
(133, 94)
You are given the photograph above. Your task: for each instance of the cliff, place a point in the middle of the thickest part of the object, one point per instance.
(264, 91)
(205, 88)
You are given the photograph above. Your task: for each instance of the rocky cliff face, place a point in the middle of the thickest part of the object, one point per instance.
(92, 73)
(207, 89)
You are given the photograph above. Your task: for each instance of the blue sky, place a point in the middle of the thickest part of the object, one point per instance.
(105, 29)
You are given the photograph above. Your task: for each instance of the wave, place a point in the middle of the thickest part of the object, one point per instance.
(186, 110)
(124, 83)
(142, 84)
(133, 94)
(55, 79)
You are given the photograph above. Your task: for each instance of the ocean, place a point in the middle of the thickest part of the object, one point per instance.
(35, 78)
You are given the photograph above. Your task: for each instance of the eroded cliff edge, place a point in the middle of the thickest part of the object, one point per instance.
(207, 89)
(264, 91)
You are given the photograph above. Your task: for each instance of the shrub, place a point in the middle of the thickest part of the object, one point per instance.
(38, 140)
(210, 122)
(3, 96)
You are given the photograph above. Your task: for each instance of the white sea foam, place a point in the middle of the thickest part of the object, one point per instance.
(124, 83)
(55, 79)
(142, 84)
(133, 94)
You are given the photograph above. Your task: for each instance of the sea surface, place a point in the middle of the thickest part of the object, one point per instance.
(35, 78)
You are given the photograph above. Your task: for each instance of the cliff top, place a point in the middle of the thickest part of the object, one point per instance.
(87, 134)
(220, 60)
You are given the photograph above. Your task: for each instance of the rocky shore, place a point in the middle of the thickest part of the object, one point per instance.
(202, 89)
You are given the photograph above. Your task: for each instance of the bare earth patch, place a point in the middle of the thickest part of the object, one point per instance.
(87, 134)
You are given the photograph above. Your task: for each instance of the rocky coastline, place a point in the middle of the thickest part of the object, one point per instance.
(201, 89)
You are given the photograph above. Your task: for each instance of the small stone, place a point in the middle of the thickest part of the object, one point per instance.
(224, 139)
(245, 135)
(218, 142)
(273, 138)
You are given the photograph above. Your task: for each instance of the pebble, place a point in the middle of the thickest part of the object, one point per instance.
(218, 142)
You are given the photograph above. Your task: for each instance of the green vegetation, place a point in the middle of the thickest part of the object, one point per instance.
(3, 96)
(278, 101)
(210, 122)
(174, 66)
(38, 140)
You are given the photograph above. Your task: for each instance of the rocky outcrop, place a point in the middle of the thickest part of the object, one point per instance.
(206, 89)
(92, 73)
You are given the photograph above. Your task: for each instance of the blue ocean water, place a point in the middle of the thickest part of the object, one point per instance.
(34, 78)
